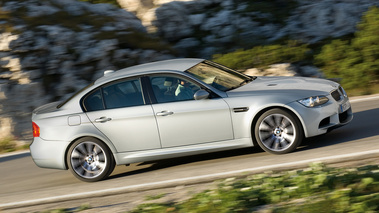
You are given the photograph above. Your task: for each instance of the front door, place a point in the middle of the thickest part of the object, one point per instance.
(185, 121)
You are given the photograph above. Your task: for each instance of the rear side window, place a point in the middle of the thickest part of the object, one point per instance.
(126, 93)
(123, 94)
(94, 101)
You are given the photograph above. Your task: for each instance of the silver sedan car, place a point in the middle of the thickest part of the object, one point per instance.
(181, 107)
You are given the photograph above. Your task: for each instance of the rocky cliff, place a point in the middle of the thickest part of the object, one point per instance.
(205, 27)
(51, 48)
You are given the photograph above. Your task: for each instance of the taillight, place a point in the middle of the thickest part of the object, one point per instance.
(36, 130)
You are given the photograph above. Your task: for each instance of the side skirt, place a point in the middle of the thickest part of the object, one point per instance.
(172, 152)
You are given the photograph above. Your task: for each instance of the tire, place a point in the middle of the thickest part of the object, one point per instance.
(278, 131)
(90, 160)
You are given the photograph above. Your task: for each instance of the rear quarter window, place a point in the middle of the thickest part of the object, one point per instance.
(93, 101)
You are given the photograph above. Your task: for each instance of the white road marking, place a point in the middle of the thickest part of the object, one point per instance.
(181, 181)
(14, 153)
(364, 98)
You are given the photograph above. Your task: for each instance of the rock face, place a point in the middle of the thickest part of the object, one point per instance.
(52, 48)
(316, 20)
(205, 27)
(213, 25)
(42, 60)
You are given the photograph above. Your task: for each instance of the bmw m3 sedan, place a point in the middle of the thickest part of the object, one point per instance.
(177, 108)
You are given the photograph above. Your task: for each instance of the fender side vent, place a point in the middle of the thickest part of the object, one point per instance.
(241, 109)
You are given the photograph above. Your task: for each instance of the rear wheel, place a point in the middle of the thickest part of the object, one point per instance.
(278, 131)
(90, 160)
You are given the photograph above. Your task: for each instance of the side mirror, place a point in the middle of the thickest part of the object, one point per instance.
(201, 94)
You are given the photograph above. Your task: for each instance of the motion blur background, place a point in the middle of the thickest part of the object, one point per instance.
(50, 49)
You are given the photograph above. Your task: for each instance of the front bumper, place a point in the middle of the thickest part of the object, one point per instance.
(49, 154)
(320, 120)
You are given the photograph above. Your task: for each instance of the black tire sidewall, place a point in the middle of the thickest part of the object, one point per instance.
(294, 120)
(109, 159)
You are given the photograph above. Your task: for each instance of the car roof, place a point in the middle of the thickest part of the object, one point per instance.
(181, 65)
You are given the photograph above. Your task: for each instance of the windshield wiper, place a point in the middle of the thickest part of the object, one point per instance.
(247, 81)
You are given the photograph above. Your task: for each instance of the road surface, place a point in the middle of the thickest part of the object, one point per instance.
(23, 183)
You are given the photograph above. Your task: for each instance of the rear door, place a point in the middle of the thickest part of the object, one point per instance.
(119, 111)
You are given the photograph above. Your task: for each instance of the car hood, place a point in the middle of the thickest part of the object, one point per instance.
(296, 87)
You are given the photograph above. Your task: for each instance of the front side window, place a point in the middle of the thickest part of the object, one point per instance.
(218, 76)
(119, 94)
(169, 88)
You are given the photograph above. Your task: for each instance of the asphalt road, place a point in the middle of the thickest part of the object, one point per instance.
(22, 182)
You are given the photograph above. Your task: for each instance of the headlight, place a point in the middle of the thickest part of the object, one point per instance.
(314, 101)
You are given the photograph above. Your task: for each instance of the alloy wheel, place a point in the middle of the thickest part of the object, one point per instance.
(277, 132)
(88, 160)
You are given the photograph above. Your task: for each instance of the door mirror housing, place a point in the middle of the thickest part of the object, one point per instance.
(201, 94)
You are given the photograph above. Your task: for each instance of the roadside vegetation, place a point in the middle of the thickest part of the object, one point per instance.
(315, 189)
(354, 59)
(10, 145)
(263, 56)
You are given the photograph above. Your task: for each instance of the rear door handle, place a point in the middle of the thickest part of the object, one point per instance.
(165, 113)
(102, 119)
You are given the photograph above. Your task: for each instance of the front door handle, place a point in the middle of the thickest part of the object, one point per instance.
(165, 113)
(102, 119)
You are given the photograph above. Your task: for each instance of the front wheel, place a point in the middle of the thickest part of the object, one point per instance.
(90, 160)
(278, 131)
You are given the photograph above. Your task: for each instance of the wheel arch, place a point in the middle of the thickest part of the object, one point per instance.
(110, 146)
(283, 107)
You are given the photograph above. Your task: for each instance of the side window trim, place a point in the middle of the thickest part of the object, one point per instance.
(148, 90)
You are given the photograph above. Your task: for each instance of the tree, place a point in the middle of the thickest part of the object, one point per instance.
(367, 40)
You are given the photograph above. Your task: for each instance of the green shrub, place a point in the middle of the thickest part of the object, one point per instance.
(315, 189)
(7, 145)
(355, 61)
(262, 56)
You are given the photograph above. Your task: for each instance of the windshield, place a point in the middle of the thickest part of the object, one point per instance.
(218, 76)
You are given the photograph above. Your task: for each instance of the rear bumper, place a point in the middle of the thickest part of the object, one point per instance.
(49, 154)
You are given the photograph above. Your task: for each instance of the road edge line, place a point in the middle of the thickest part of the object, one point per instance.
(364, 98)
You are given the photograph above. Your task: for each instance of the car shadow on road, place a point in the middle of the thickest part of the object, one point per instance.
(365, 124)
